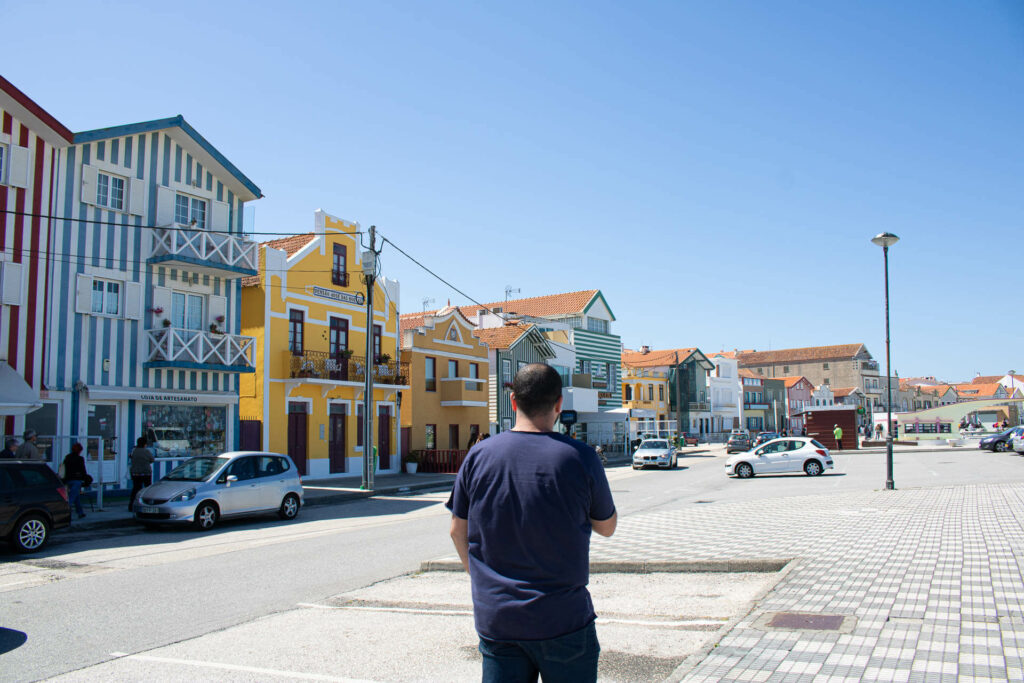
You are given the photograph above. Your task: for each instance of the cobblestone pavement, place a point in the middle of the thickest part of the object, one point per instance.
(932, 577)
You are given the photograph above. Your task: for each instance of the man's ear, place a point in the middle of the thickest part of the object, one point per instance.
(512, 399)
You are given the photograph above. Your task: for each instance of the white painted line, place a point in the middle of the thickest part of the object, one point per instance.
(249, 669)
(664, 624)
(402, 610)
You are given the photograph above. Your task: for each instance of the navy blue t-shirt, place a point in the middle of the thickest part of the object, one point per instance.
(528, 498)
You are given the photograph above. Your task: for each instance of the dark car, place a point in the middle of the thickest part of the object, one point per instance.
(738, 443)
(33, 502)
(763, 437)
(690, 439)
(1001, 442)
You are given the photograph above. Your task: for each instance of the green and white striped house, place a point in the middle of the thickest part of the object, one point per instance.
(510, 347)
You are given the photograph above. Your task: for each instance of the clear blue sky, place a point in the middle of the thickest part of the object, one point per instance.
(717, 169)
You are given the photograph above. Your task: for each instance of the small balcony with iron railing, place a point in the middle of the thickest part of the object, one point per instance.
(321, 366)
(221, 254)
(173, 347)
(463, 391)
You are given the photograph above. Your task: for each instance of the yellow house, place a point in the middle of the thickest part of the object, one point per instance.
(645, 394)
(306, 309)
(446, 408)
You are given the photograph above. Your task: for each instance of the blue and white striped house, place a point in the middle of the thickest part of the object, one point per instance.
(146, 295)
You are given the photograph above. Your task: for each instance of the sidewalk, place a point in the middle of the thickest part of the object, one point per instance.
(317, 492)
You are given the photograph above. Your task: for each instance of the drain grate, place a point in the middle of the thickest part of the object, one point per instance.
(811, 622)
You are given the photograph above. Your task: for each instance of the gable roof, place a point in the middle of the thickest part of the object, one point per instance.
(201, 143)
(749, 374)
(35, 117)
(792, 381)
(290, 245)
(411, 321)
(801, 355)
(652, 359)
(842, 392)
(502, 337)
(568, 303)
(986, 379)
(973, 390)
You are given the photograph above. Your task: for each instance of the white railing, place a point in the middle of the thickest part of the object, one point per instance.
(219, 247)
(195, 346)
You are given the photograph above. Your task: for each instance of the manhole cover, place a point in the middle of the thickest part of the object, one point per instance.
(813, 622)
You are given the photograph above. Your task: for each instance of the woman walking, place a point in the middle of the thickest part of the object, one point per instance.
(75, 477)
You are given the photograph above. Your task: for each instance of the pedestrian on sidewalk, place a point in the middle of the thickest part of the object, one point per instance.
(10, 450)
(523, 507)
(838, 434)
(75, 477)
(28, 449)
(141, 469)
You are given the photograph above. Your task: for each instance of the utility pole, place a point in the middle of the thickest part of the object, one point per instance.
(679, 400)
(369, 275)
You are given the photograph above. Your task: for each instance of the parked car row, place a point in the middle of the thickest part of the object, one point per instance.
(1003, 441)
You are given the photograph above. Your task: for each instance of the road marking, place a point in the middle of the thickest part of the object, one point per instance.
(665, 624)
(403, 610)
(239, 667)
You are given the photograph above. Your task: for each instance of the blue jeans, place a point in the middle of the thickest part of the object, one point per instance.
(75, 495)
(571, 658)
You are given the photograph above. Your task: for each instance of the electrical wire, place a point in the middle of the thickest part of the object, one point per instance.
(408, 256)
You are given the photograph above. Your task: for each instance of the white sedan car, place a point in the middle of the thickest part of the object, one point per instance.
(788, 454)
(1017, 443)
(654, 452)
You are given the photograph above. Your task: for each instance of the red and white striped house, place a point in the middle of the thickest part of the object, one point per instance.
(31, 144)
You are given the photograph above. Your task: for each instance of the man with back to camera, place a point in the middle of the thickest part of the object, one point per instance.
(523, 506)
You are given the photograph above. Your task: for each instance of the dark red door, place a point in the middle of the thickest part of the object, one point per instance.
(297, 432)
(384, 437)
(336, 451)
(339, 344)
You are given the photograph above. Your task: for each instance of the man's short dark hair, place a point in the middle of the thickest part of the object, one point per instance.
(537, 387)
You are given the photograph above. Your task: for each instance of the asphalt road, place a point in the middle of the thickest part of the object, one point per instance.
(79, 602)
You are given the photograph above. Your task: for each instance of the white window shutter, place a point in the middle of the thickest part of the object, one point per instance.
(219, 216)
(19, 167)
(88, 185)
(133, 300)
(11, 283)
(83, 301)
(218, 307)
(162, 300)
(137, 197)
(164, 205)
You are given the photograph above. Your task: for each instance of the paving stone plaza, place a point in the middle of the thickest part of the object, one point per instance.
(931, 577)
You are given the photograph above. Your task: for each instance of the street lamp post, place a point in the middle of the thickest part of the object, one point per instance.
(886, 240)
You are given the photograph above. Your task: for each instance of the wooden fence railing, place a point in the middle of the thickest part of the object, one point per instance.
(440, 461)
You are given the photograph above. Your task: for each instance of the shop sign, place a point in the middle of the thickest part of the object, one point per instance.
(205, 398)
(170, 398)
(358, 298)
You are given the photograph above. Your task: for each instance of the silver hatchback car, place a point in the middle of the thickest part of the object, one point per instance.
(202, 490)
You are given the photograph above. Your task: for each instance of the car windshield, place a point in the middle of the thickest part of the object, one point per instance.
(654, 444)
(170, 435)
(196, 469)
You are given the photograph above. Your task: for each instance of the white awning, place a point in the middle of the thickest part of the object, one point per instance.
(201, 398)
(16, 396)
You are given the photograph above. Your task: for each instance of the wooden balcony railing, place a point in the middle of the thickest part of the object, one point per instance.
(323, 365)
(175, 345)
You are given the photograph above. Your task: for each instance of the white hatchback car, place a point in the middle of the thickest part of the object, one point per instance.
(788, 454)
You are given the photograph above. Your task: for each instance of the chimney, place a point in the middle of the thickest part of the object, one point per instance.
(645, 349)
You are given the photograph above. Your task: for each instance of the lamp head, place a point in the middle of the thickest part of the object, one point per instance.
(885, 239)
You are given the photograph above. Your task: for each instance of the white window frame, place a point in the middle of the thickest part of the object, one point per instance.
(192, 201)
(104, 293)
(108, 202)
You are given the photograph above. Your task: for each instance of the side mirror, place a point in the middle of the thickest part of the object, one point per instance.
(231, 479)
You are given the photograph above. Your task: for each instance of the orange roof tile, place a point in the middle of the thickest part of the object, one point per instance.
(792, 381)
(841, 392)
(750, 374)
(538, 306)
(291, 244)
(801, 355)
(970, 389)
(986, 379)
(502, 337)
(410, 321)
(638, 359)
(722, 354)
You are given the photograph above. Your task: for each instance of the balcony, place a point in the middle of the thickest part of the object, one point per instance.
(215, 253)
(171, 347)
(755, 406)
(700, 406)
(463, 392)
(643, 404)
(323, 367)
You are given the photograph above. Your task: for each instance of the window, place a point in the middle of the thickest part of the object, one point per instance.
(506, 371)
(629, 392)
(295, 319)
(376, 342)
(188, 209)
(825, 381)
(597, 325)
(106, 297)
(430, 437)
(339, 266)
(453, 368)
(824, 366)
(506, 424)
(785, 368)
(187, 311)
(661, 392)
(359, 425)
(520, 365)
(110, 191)
(453, 437)
(474, 373)
(429, 374)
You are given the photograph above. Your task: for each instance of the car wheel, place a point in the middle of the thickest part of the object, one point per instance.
(289, 507)
(206, 516)
(30, 534)
(744, 471)
(812, 468)
(1000, 447)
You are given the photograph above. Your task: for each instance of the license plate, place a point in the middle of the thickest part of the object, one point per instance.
(146, 509)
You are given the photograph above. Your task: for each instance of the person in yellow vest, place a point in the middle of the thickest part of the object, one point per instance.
(838, 433)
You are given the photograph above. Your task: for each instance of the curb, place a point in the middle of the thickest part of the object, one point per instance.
(759, 565)
(314, 501)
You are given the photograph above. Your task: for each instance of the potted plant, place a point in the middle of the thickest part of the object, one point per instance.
(412, 462)
(167, 322)
(346, 354)
(214, 329)
(383, 359)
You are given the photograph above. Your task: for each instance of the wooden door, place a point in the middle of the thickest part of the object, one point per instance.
(297, 435)
(336, 447)
(339, 344)
(453, 437)
(384, 437)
